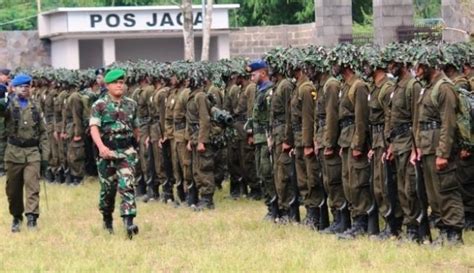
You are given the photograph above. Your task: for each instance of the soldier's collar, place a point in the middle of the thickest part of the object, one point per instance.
(264, 86)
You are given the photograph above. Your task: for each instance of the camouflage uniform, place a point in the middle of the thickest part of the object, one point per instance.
(116, 122)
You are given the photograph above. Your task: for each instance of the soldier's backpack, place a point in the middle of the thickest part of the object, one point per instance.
(464, 115)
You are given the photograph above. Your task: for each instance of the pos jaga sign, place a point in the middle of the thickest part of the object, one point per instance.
(165, 20)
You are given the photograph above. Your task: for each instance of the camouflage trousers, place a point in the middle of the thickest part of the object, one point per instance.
(118, 174)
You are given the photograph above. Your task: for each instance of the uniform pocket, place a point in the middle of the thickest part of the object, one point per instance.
(206, 161)
(447, 178)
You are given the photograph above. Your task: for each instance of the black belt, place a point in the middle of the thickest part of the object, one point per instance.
(377, 128)
(433, 125)
(23, 143)
(296, 127)
(179, 126)
(115, 144)
(346, 122)
(400, 130)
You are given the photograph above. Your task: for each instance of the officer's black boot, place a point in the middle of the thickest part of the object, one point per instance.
(312, 218)
(77, 180)
(373, 223)
(324, 216)
(31, 220)
(454, 237)
(130, 227)
(274, 209)
(68, 177)
(234, 189)
(442, 237)
(345, 222)
(150, 194)
(359, 228)
(244, 187)
(205, 203)
(17, 220)
(336, 220)
(59, 177)
(284, 218)
(108, 223)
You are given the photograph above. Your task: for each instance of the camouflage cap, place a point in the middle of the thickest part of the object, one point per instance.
(372, 55)
(345, 55)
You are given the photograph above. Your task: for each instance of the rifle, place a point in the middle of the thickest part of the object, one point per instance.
(295, 200)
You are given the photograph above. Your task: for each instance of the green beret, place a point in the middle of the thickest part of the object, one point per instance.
(114, 75)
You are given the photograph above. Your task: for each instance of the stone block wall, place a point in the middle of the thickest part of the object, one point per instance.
(458, 14)
(252, 42)
(388, 16)
(23, 49)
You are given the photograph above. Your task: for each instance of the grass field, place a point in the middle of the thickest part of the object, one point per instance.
(232, 238)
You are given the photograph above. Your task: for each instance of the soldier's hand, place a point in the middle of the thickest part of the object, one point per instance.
(356, 153)
(63, 136)
(465, 154)
(388, 155)
(285, 147)
(250, 140)
(201, 148)
(415, 156)
(188, 146)
(308, 151)
(76, 138)
(370, 154)
(441, 163)
(147, 142)
(328, 152)
(105, 152)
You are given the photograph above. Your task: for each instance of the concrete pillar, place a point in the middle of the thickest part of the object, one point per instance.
(65, 53)
(388, 16)
(108, 46)
(223, 46)
(457, 15)
(333, 20)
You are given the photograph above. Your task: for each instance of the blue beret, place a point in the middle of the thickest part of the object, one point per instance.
(256, 65)
(21, 79)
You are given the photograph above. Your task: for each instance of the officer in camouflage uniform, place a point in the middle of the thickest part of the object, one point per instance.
(353, 122)
(259, 126)
(27, 136)
(436, 147)
(4, 79)
(113, 125)
(401, 127)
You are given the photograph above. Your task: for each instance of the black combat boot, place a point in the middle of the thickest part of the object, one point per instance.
(205, 203)
(150, 194)
(454, 237)
(283, 218)
(16, 224)
(168, 196)
(130, 228)
(77, 180)
(331, 229)
(234, 190)
(31, 221)
(324, 216)
(68, 177)
(469, 221)
(294, 212)
(108, 223)
(255, 194)
(49, 175)
(345, 221)
(413, 234)
(358, 229)
(442, 237)
(312, 218)
(180, 191)
(272, 209)
(192, 197)
(59, 176)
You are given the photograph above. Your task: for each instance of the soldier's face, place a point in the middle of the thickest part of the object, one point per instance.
(336, 70)
(116, 88)
(368, 70)
(422, 72)
(256, 76)
(4, 78)
(395, 68)
(23, 90)
(99, 79)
